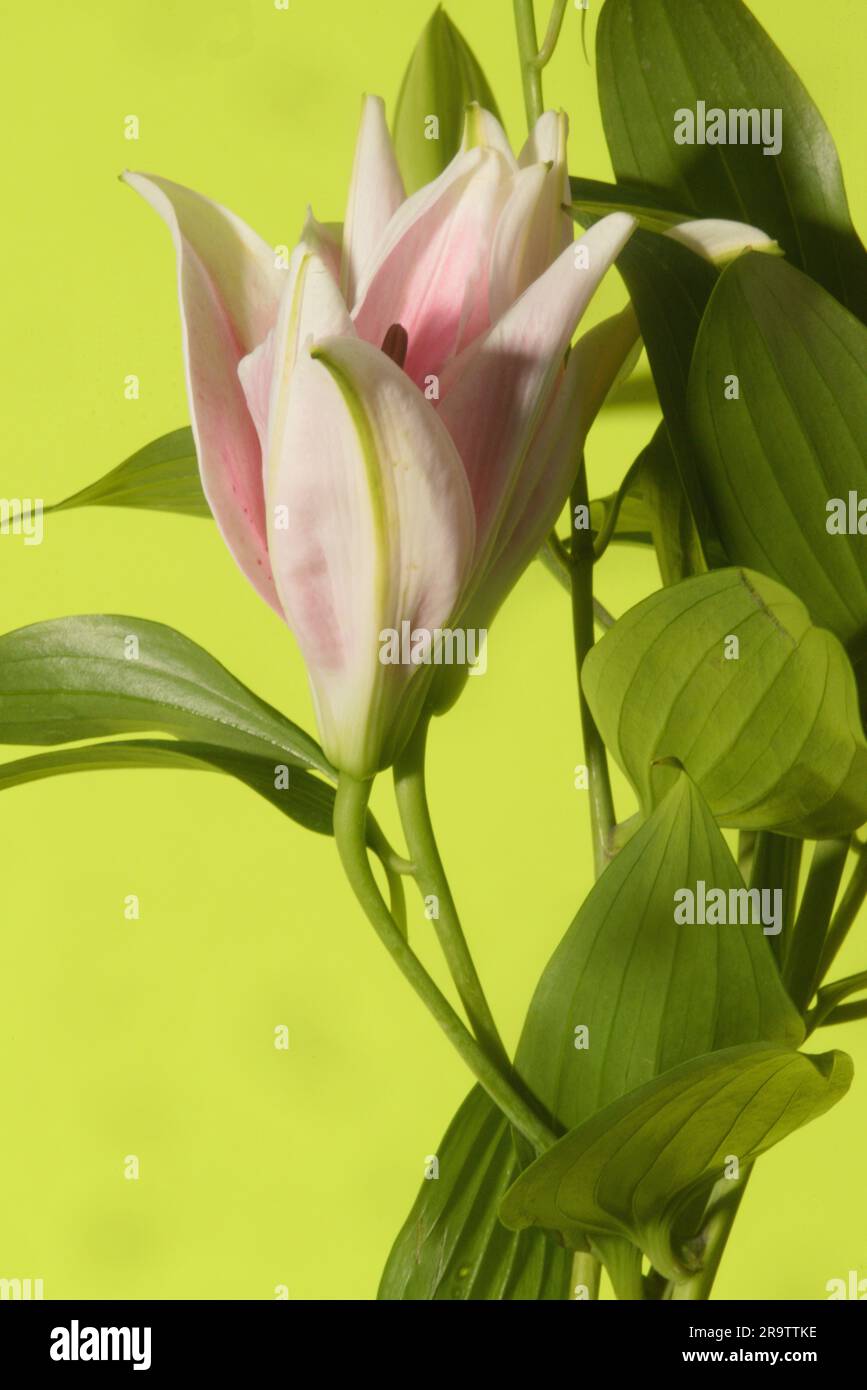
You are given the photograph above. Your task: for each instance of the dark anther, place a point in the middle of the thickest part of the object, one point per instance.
(395, 343)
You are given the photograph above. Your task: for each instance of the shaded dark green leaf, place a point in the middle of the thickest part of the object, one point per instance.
(658, 57)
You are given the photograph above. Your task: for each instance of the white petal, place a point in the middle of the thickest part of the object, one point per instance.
(719, 241)
(380, 531)
(375, 193)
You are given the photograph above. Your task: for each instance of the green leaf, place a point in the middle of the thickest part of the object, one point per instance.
(304, 799)
(162, 477)
(637, 1168)
(673, 529)
(651, 992)
(596, 198)
(76, 678)
(442, 78)
(795, 437)
(670, 286)
(650, 508)
(658, 57)
(452, 1246)
(770, 733)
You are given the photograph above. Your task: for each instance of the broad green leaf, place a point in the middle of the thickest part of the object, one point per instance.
(304, 798)
(635, 1169)
(452, 1245)
(793, 438)
(97, 675)
(442, 78)
(768, 728)
(669, 286)
(659, 57)
(650, 992)
(163, 476)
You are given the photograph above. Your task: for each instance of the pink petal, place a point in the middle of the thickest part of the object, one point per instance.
(431, 273)
(593, 369)
(496, 394)
(229, 288)
(311, 307)
(380, 531)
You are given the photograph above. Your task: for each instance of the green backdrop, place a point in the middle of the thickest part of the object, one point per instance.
(155, 1037)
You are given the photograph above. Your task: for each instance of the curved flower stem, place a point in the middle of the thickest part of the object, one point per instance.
(350, 811)
(602, 818)
(552, 34)
(409, 785)
(528, 51)
(391, 865)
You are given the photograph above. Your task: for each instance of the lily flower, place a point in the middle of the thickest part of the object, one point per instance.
(385, 429)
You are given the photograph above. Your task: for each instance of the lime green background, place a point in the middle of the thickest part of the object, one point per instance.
(155, 1037)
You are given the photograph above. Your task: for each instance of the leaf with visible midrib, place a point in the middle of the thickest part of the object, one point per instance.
(793, 438)
(70, 678)
(304, 799)
(631, 1171)
(452, 1245)
(162, 476)
(771, 734)
(655, 57)
(651, 992)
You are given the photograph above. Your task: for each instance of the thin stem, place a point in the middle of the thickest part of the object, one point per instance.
(350, 810)
(850, 905)
(776, 864)
(602, 818)
(386, 856)
(555, 557)
(586, 1273)
(411, 792)
(846, 1013)
(552, 34)
(833, 995)
(528, 48)
(716, 1232)
(811, 926)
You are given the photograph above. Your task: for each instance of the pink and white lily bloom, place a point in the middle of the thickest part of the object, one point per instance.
(385, 429)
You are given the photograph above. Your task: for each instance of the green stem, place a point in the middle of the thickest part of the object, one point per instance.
(716, 1232)
(802, 959)
(828, 999)
(552, 34)
(602, 818)
(844, 917)
(350, 811)
(586, 1270)
(555, 558)
(776, 863)
(528, 50)
(411, 792)
(846, 1013)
